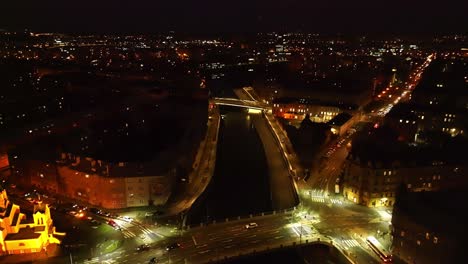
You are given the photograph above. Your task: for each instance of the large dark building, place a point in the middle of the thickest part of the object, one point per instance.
(129, 153)
(428, 227)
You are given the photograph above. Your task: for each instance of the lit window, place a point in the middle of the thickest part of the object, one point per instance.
(435, 240)
(427, 235)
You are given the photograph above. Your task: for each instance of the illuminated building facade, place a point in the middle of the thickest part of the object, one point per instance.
(373, 182)
(121, 184)
(291, 108)
(21, 233)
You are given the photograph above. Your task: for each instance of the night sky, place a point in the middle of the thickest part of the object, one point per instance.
(344, 16)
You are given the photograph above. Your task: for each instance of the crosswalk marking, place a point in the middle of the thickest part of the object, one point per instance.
(128, 234)
(336, 201)
(350, 243)
(319, 199)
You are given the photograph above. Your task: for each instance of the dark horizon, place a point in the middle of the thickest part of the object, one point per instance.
(141, 16)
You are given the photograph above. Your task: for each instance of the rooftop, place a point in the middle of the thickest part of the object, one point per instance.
(340, 119)
(24, 233)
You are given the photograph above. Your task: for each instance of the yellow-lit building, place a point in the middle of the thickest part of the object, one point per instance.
(372, 182)
(21, 233)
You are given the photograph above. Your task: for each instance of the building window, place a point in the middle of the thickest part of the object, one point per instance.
(418, 242)
(402, 233)
(409, 185)
(427, 235)
(435, 240)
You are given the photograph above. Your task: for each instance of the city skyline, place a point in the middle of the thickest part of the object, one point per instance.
(205, 132)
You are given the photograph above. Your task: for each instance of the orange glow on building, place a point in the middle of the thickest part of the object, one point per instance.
(25, 234)
(4, 161)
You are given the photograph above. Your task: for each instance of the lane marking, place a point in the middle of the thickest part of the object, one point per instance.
(194, 241)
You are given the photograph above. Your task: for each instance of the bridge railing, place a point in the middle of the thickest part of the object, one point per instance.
(295, 243)
(254, 216)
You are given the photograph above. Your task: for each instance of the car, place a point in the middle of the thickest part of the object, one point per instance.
(143, 247)
(72, 213)
(112, 223)
(251, 225)
(173, 246)
(127, 218)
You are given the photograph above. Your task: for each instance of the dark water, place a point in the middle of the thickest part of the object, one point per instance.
(240, 184)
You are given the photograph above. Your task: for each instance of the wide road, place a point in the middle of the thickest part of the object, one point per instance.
(217, 241)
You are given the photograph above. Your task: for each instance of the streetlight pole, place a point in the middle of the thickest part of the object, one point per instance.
(300, 235)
